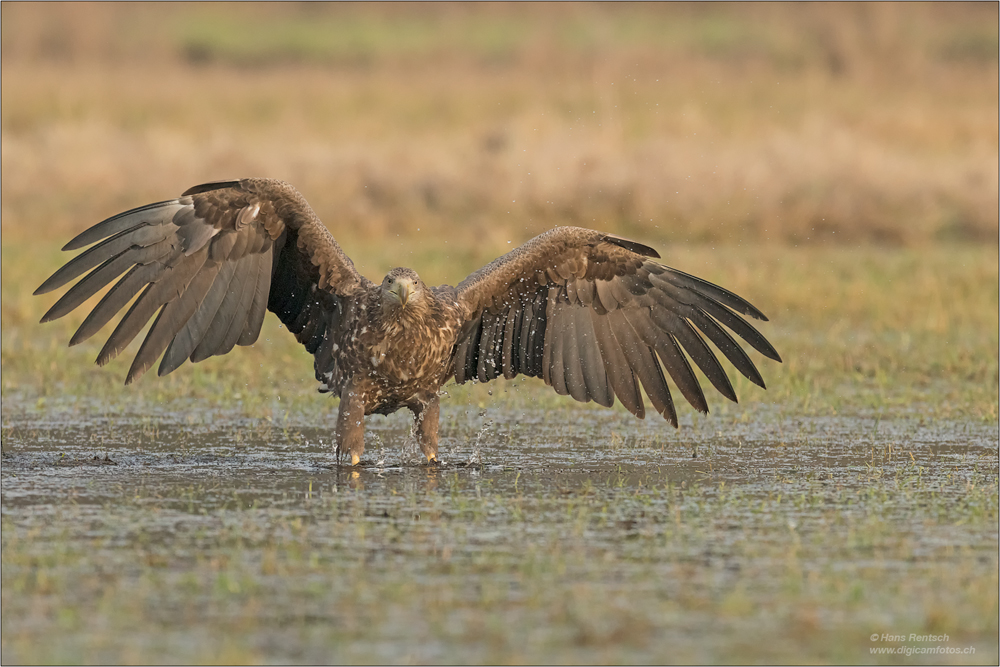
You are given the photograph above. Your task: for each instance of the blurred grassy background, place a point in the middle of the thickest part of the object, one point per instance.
(790, 123)
(835, 163)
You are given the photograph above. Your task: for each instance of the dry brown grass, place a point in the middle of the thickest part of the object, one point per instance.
(780, 123)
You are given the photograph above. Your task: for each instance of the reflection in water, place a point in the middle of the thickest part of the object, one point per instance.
(540, 455)
(431, 479)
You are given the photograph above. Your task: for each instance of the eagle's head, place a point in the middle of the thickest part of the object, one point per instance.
(403, 292)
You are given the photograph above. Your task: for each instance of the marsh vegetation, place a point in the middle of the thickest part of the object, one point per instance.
(835, 164)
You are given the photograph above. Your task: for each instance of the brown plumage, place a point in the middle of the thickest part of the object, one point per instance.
(589, 313)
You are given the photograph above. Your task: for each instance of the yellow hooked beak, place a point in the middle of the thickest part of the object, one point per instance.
(402, 291)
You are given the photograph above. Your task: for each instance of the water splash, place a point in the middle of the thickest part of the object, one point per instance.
(411, 448)
(379, 450)
(476, 457)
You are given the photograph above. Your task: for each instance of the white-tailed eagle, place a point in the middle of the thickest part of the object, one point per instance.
(587, 312)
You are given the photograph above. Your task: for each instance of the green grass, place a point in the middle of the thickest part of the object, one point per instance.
(861, 331)
(628, 563)
(856, 496)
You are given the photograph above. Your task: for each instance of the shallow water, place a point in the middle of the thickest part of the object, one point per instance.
(543, 536)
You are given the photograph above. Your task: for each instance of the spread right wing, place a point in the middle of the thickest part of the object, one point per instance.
(211, 262)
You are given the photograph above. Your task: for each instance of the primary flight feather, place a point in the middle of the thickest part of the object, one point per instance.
(587, 312)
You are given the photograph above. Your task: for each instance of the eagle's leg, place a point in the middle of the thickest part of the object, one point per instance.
(426, 412)
(351, 425)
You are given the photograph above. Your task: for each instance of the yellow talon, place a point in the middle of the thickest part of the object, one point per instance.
(354, 459)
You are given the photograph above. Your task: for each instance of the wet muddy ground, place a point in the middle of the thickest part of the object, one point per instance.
(569, 535)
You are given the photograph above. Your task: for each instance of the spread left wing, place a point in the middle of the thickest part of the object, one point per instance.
(591, 315)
